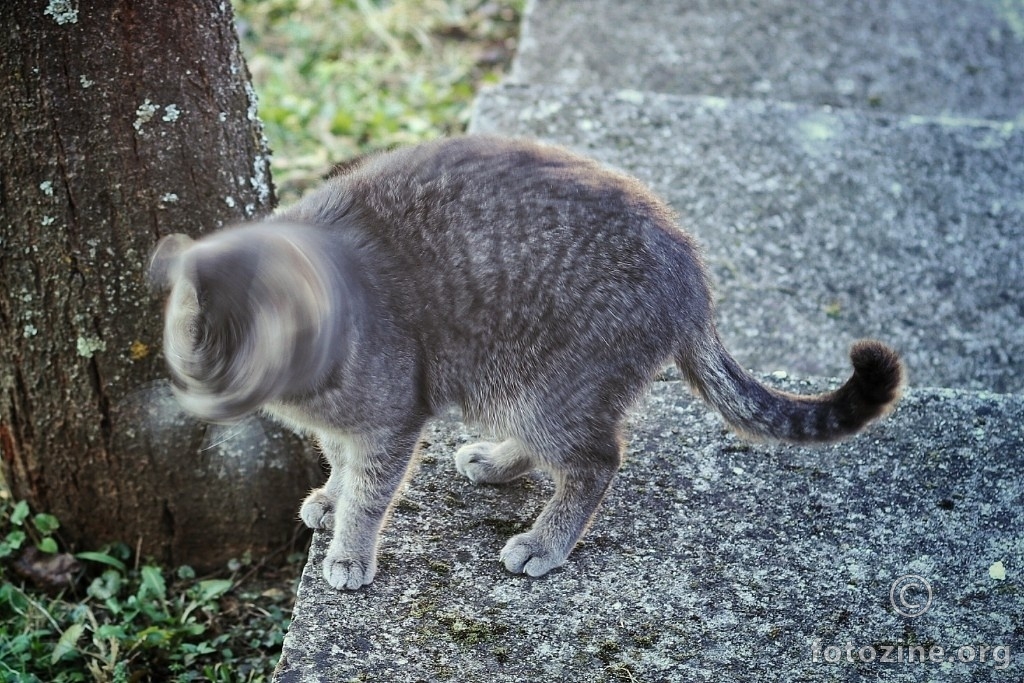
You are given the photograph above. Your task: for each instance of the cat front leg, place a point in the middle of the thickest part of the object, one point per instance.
(367, 470)
(317, 510)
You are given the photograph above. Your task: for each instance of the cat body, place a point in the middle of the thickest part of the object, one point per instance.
(535, 289)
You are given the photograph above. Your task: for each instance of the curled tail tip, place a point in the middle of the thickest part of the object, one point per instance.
(878, 373)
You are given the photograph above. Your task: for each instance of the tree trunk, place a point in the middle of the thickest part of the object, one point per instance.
(122, 121)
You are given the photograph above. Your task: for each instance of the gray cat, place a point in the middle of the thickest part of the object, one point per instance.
(535, 289)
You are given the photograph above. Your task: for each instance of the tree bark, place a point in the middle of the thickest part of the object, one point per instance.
(122, 121)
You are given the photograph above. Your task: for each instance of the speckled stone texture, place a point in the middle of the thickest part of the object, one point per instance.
(711, 560)
(822, 226)
(908, 56)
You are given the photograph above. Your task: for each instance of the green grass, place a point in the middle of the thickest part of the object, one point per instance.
(335, 78)
(340, 77)
(96, 616)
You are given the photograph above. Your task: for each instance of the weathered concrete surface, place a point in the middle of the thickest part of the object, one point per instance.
(909, 56)
(711, 560)
(823, 226)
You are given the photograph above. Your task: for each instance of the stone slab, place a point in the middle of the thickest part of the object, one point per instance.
(711, 560)
(822, 226)
(926, 57)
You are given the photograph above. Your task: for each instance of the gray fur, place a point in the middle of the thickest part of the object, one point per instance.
(535, 289)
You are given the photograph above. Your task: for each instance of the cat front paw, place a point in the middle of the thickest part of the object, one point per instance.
(528, 553)
(317, 510)
(345, 573)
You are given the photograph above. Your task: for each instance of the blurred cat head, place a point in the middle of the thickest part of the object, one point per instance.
(249, 316)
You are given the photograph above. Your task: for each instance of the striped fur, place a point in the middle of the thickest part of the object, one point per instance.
(758, 411)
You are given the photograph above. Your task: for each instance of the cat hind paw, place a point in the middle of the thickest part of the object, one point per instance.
(528, 554)
(485, 462)
(473, 462)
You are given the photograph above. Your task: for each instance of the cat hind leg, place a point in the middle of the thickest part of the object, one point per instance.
(486, 462)
(580, 486)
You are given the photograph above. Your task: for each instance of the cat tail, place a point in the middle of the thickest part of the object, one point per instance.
(760, 411)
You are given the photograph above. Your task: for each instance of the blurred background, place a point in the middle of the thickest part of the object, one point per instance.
(336, 78)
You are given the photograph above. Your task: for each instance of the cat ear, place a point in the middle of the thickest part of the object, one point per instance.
(164, 258)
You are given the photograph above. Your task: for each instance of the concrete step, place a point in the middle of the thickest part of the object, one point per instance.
(710, 560)
(928, 57)
(823, 226)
